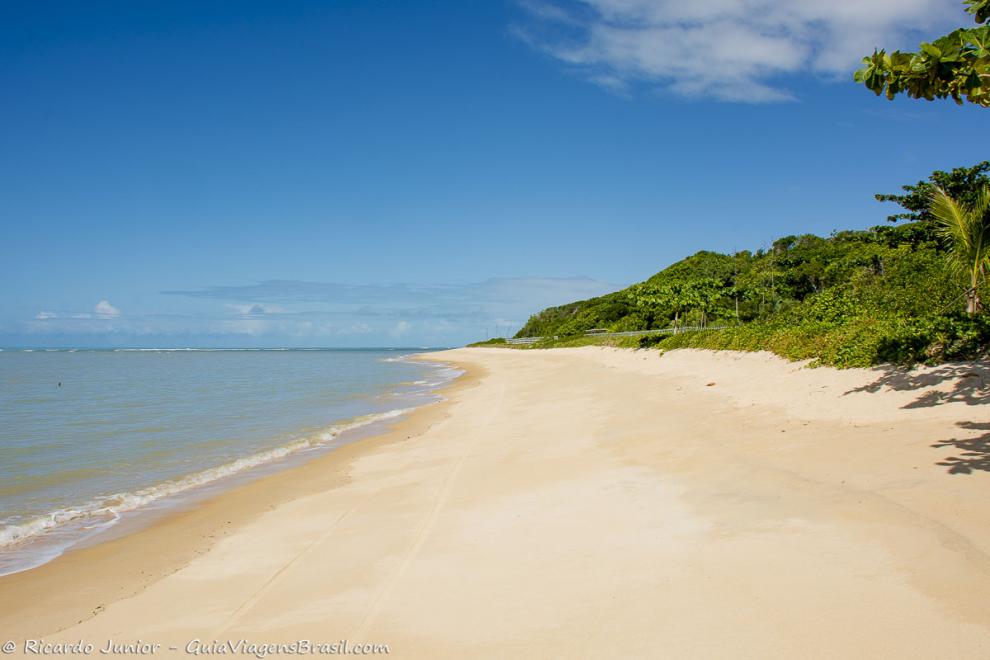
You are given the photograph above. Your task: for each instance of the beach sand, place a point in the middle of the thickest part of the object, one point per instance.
(579, 503)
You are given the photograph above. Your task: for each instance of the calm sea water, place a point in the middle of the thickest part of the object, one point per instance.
(87, 437)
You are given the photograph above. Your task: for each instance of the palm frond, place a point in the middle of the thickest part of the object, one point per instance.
(967, 228)
(982, 206)
(981, 216)
(952, 221)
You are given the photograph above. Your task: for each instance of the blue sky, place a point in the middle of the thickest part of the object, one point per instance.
(414, 173)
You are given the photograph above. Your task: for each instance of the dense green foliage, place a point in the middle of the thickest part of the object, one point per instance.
(961, 183)
(582, 340)
(966, 229)
(856, 298)
(955, 66)
(495, 341)
(862, 341)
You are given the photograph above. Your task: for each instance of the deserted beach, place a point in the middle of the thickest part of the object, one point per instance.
(574, 503)
(546, 329)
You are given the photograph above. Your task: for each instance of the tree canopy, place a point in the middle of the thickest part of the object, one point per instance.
(955, 66)
(961, 183)
(854, 298)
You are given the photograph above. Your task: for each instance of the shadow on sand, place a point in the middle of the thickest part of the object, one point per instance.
(975, 454)
(972, 384)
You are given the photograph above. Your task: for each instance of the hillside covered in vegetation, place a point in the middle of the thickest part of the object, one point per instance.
(856, 298)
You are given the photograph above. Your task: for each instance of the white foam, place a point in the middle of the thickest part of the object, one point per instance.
(57, 530)
(109, 508)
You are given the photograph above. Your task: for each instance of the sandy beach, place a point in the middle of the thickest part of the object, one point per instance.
(581, 503)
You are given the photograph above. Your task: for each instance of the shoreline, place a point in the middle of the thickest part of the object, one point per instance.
(36, 537)
(59, 591)
(580, 503)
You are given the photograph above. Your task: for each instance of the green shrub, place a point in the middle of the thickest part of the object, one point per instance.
(855, 299)
(495, 341)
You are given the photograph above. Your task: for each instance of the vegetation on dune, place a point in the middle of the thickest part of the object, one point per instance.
(494, 341)
(577, 341)
(955, 66)
(910, 292)
(901, 293)
(966, 228)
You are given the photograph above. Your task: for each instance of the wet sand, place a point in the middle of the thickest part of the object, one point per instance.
(585, 503)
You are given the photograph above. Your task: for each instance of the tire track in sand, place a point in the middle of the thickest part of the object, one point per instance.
(426, 528)
(275, 577)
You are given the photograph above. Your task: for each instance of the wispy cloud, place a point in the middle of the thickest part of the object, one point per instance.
(731, 50)
(401, 328)
(373, 299)
(255, 309)
(393, 310)
(102, 310)
(292, 312)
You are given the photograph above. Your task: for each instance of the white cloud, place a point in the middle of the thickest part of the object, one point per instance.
(401, 328)
(104, 309)
(732, 50)
(255, 309)
(288, 312)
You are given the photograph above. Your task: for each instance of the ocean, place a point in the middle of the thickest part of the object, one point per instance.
(91, 437)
